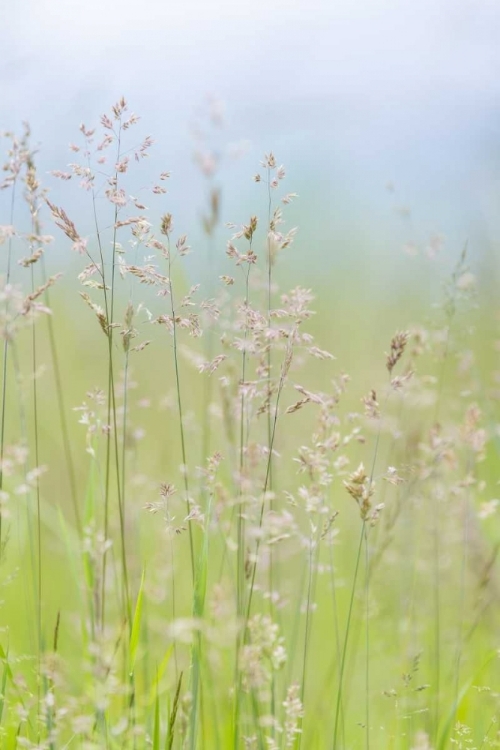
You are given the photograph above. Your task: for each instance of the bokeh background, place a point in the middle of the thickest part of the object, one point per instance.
(350, 95)
(386, 116)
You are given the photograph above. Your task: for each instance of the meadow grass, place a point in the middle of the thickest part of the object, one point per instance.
(211, 535)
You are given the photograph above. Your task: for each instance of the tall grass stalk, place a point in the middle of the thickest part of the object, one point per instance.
(109, 304)
(284, 372)
(184, 468)
(30, 590)
(37, 464)
(314, 549)
(242, 447)
(240, 510)
(396, 352)
(337, 633)
(61, 404)
(346, 639)
(195, 652)
(462, 584)
(112, 399)
(269, 323)
(283, 375)
(6, 356)
(210, 224)
(367, 642)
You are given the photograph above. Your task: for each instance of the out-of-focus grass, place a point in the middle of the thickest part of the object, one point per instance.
(421, 663)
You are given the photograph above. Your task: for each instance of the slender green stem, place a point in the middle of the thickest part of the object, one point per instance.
(336, 625)
(284, 370)
(314, 547)
(240, 509)
(62, 406)
(109, 303)
(461, 605)
(269, 307)
(112, 406)
(269, 379)
(108, 436)
(367, 660)
(23, 419)
(240, 568)
(346, 637)
(6, 356)
(209, 354)
(196, 603)
(180, 412)
(37, 489)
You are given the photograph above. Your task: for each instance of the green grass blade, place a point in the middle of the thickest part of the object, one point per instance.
(156, 729)
(159, 674)
(6, 671)
(136, 626)
(173, 715)
(448, 722)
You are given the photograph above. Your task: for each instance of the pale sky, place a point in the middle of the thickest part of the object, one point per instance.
(399, 48)
(349, 93)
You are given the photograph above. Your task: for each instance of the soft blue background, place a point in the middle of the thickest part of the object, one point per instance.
(349, 95)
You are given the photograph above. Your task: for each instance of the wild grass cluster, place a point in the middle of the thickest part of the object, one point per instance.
(209, 537)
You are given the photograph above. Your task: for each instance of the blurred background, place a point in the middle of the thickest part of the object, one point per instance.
(386, 113)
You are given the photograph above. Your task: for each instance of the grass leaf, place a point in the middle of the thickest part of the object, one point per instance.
(136, 626)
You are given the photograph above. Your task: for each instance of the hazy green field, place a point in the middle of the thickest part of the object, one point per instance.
(247, 514)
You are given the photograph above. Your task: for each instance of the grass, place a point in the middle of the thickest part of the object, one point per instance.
(193, 554)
